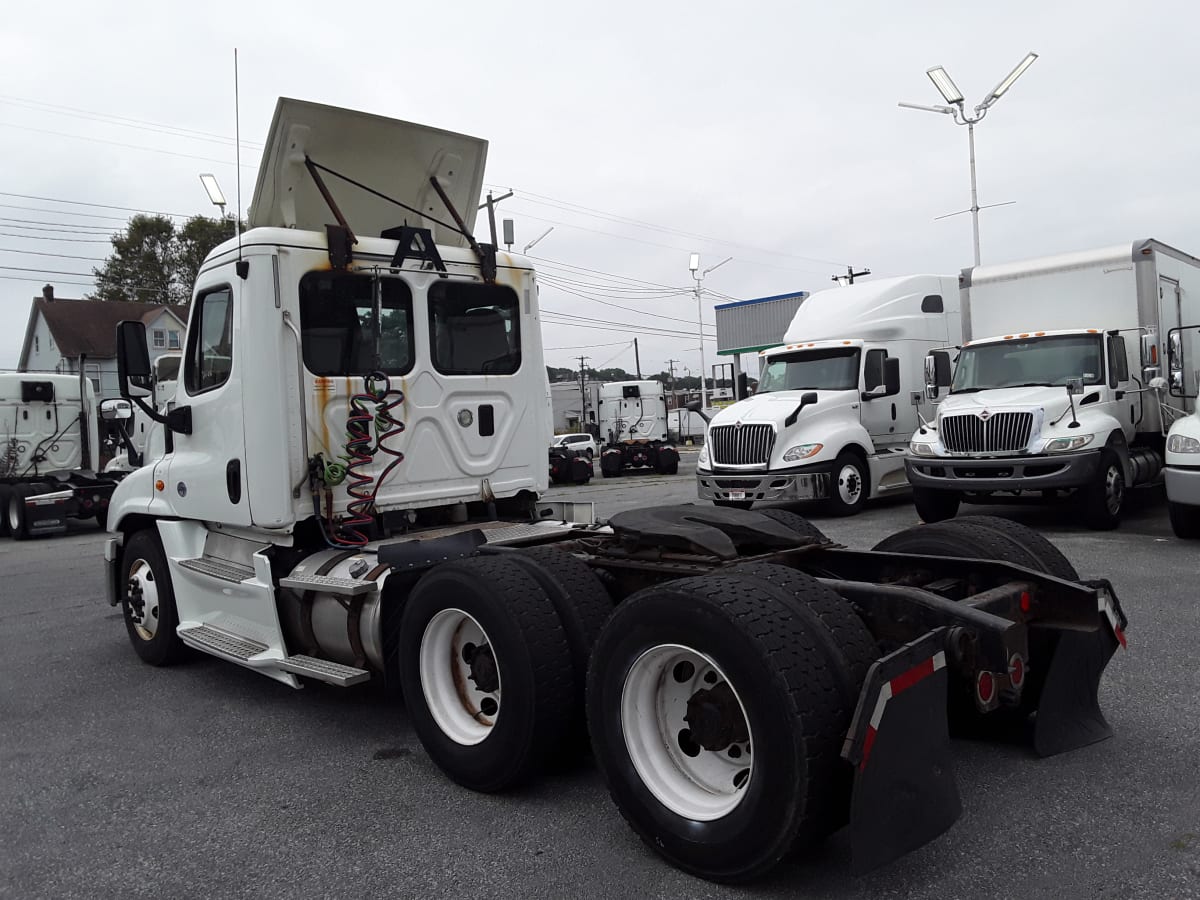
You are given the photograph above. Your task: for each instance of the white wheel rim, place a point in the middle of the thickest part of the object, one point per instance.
(462, 711)
(14, 520)
(849, 484)
(145, 622)
(1114, 489)
(694, 783)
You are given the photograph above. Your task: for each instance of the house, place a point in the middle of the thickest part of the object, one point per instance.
(61, 331)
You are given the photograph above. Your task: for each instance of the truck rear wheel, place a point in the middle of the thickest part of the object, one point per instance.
(611, 463)
(1100, 502)
(18, 524)
(715, 722)
(1185, 520)
(486, 671)
(795, 522)
(5, 493)
(148, 601)
(733, 504)
(849, 485)
(934, 505)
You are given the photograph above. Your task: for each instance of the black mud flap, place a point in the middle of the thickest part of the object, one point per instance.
(1068, 711)
(905, 793)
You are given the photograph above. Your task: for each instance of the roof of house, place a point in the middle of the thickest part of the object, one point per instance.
(89, 327)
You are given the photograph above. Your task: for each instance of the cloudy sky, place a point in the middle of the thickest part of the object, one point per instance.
(641, 132)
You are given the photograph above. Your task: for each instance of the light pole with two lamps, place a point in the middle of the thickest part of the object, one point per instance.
(952, 95)
(694, 265)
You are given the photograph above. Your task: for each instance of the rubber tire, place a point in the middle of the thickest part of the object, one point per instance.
(102, 518)
(671, 465)
(934, 505)
(1093, 498)
(733, 504)
(15, 508)
(1185, 520)
(846, 643)
(583, 607)
(611, 464)
(534, 661)
(795, 523)
(835, 505)
(5, 492)
(165, 648)
(1051, 560)
(791, 700)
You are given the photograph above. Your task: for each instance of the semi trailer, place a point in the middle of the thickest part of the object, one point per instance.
(1059, 389)
(347, 489)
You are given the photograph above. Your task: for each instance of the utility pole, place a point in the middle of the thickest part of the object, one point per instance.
(583, 422)
(850, 275)
(694, 266)
(637, 359)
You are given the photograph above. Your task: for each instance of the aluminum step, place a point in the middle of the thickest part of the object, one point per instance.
(220, 642)
(518, 533)
(219, 568)
(346, 587)
(324, 670)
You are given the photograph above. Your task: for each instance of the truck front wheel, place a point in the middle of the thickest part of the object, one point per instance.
(148, 602)
(1100, 502)
(848, 485)
(1185, 520)
(933, 505)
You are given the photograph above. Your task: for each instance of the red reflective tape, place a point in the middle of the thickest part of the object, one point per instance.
(1120, 633)
(907, 679)
(868, 743)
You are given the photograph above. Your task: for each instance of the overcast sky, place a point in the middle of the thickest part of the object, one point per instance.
(768, 132)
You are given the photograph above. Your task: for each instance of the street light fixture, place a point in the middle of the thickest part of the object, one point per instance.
(953, 96)
(214, 191)
(694, 266)
(536, 239)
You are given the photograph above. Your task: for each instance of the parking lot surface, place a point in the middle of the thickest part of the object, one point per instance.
(207, 780)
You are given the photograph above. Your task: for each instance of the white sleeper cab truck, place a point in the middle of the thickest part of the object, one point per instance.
(1182, 471)
(49, 452)
(346, 489)
(834, 408)
(633, 426)
(1059, 390)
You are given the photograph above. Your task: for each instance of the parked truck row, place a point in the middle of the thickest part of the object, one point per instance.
(346, 488)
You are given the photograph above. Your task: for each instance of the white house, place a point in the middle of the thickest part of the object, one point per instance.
(61, 332)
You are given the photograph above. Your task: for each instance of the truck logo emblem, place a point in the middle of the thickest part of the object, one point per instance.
(985, 415)
(737, 424)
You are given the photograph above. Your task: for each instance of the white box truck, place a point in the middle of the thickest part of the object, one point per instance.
(834, 410)
(346, 489)
(1052, 393)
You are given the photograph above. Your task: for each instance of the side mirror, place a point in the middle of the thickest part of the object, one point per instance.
(133, 358)
(891, 376)
(808, 398)
(1074, 386)
(1149, 350)
(114, 409)
(696, 407)
(937, 373)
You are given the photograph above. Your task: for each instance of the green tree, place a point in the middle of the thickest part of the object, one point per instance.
(193, 242)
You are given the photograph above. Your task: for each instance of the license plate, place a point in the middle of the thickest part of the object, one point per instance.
(737, 495)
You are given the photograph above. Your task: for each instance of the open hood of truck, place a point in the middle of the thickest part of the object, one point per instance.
(387, 155)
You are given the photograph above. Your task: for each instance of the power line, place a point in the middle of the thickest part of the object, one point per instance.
(96, 205)
(82, 137)
(43, 253)
(584, 347)
(69, 227)
(42, 237)
(624, 308)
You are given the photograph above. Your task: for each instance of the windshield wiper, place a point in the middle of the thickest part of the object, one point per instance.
(1032, 384)
(970, 390)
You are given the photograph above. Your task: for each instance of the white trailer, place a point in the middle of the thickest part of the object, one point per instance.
(1054, 392)
(346, 489)
(633, 426)
(834, 408)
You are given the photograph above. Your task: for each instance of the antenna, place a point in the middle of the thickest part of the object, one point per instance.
(243, 268)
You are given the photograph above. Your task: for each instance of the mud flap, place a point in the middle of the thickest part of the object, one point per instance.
(905, 792)
(1068, 711)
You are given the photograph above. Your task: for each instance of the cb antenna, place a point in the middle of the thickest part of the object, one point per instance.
(243, 267)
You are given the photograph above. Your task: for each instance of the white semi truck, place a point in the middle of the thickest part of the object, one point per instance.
(1182, 472)
(1059, 390)
(633, 427)
(346, 488)
(834, 409)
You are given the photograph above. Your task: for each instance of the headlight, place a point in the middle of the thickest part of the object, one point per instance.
(802, 451)
(1181, 443)
(920, 448)
(1063, 444)
(702, 459)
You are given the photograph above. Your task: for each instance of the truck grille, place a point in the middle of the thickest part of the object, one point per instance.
(741, 445)
(1005, 432)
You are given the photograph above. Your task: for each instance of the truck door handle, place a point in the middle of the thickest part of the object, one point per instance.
(1120, 395)
(233, 480)
(487, 420)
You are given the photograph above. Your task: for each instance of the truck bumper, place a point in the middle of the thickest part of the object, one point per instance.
(808, 484)
(1014, 473)
(1183, 485)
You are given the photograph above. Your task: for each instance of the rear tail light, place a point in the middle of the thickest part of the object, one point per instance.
(1016, 670)
(985, 688)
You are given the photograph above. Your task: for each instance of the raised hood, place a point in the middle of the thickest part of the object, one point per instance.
(389, 156)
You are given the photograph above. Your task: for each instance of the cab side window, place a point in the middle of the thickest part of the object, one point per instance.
(873, 369)
(210, 341)
(1118, 361)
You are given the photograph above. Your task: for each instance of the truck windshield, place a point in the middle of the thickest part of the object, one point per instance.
(1033, 361)
(835, 369)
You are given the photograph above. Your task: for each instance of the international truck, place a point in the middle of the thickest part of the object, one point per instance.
(834, 410)
(347, 490)
(1053, 394)
(1182, 472)
(50, 441)
(633, 427)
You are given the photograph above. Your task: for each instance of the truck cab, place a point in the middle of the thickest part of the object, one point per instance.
(831, 417)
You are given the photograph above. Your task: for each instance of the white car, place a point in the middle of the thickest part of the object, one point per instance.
(584, 443)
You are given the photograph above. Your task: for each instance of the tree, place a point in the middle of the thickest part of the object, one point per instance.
(152, 262)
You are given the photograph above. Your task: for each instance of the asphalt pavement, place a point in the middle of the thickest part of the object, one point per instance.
(207, 780)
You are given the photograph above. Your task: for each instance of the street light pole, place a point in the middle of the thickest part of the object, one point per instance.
(957, 110)
(694, 265)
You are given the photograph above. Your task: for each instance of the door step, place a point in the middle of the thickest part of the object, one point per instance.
(346, 587)
(219, 568)
(240, 649)
(324, 670)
